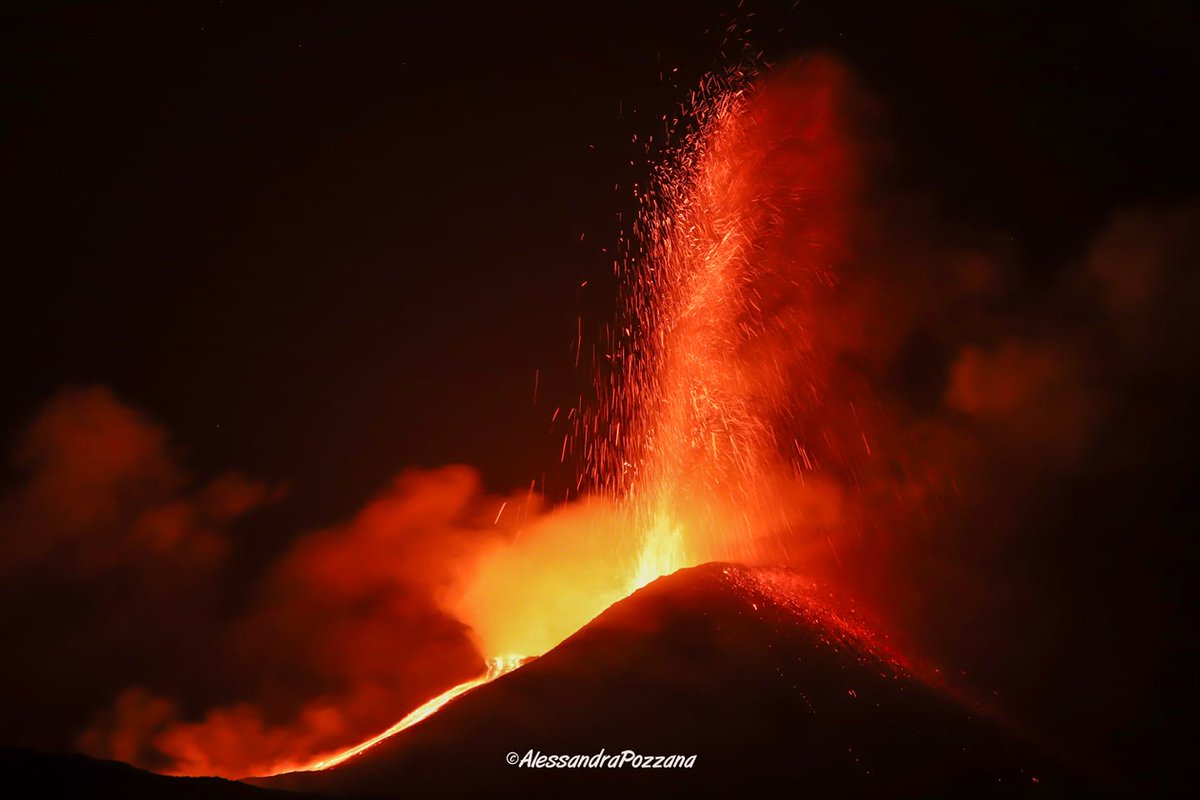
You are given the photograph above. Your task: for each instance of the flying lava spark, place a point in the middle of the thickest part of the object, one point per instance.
(739, 230)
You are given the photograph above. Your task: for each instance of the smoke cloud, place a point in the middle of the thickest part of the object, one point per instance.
(986, 449)
(998, 443)
(126, 560)
(128, 648)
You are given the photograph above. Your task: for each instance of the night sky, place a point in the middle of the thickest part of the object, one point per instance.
(321, 244)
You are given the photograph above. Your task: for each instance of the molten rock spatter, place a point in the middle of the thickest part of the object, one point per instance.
(709, 405)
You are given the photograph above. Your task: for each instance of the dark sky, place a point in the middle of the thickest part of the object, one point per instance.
(321, 243)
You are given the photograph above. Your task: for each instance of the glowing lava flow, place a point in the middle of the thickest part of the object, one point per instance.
(496, 668)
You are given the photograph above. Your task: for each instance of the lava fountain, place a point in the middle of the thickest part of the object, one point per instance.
(713, 385)
(715, 358)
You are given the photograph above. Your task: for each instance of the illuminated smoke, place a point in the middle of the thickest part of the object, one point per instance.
(749, 411)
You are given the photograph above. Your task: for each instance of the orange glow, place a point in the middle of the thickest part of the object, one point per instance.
(692, 455)
(742, 227)
(527, 594)
(496, 668)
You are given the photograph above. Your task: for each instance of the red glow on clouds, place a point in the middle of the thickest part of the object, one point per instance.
(750, 412)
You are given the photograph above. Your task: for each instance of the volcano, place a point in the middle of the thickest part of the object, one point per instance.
(762, 675)
(768, 678)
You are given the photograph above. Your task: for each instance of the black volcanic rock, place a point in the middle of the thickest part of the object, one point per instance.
(758, 673)
(29, 773)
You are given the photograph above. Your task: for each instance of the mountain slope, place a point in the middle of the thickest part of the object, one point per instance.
(29, 773)
(759, 673)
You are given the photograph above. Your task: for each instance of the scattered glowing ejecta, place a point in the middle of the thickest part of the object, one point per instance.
(706, 385)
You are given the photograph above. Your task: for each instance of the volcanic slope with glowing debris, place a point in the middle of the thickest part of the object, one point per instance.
(765, 676)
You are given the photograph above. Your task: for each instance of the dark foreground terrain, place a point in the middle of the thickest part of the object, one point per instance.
(28, 773)
(762, 675)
